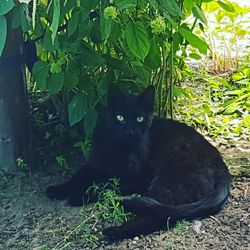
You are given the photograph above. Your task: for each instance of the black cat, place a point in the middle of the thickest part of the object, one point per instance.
(176, 172)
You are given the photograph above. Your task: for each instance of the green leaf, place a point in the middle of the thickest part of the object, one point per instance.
(55, 20)
(68, 6)
(125, 4)
(188, 5)
(84, 29)
(86, 85)
(3, 33)
(40, 72)
(171, 7)
(16, 20)
(177, 40)
(87, 6)
(6, 6)
(55, 82)
(195, 56)
(153, 3)
(197, 12)
(153, 59)
(226, 6)
(73, 23)
(237, 76)
(246, 121)
(70, 79)
(246, 72)
(177, 91)
(106, 26)
(137, 39)
(47, 42)
(77, 108)
(95, 33)
(24, 19)
(103, 85)
(90, 121)
(144, 74)
(115, 63)
(90, 58)
(194, 40)
(116, 32)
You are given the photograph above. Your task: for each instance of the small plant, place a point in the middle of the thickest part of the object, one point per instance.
(84, 146)
(3, 176)
(61, 161)
(229, 28)
(181, 227)
(218, 106)
(108, 202)
(107, 209)
(171, 244)
(21, 163)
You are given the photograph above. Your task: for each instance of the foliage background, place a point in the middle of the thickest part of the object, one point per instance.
(188, 49)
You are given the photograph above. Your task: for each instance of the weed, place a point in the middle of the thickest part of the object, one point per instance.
(3, 176)
(218, 106)
(171, 244)
(84, 146)
(61, 161)
(181, 227)
(108, 202)
(21, 163)
(226, 33)
(107, 210)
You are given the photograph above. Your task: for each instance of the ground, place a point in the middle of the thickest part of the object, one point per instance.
(28, 220)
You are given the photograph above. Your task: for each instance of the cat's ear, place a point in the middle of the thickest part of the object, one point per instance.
(147, 97)
(114, 95)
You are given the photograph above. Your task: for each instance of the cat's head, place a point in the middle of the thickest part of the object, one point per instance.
(129, 116)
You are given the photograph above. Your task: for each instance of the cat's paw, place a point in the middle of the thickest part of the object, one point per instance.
(112, 233)
(130, 203)
(76, 200)
(127, 204)
(57, 192)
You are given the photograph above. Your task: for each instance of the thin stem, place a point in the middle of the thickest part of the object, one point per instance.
(171, 84)
(160, 82)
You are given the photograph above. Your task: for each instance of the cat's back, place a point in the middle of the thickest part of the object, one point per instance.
(174, 140)
(184, 165)
(169, 130)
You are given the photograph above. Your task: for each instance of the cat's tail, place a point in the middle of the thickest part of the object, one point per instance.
(209, 205)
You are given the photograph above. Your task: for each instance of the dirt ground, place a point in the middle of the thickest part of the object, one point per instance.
(28, 220)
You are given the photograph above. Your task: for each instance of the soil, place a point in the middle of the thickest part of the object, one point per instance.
(28, 220)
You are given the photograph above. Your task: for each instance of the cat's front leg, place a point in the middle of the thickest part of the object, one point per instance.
(57, 192)
(74, 190)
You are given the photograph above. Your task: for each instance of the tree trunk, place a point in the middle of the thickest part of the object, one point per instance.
(15, 132)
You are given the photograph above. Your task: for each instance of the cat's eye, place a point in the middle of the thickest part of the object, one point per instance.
(140, 119)
(120, 118)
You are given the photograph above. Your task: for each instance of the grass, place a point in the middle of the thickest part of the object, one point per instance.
(181, 227)
(171, 244)
(239, 166)
(107, 210)
(216, 105)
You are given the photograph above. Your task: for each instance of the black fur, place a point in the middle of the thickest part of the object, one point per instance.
(176, 172)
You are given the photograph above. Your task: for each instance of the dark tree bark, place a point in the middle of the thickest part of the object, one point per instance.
(15, 135)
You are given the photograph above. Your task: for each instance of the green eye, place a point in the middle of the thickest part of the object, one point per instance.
(120, 118)
(140, 119)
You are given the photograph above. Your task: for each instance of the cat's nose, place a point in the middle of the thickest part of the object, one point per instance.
(130, 132)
